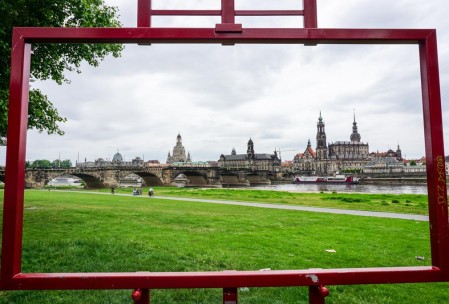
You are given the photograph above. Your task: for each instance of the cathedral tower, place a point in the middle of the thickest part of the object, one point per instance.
(250, 150)
(355, 136)
(398, 153)
(321, 147)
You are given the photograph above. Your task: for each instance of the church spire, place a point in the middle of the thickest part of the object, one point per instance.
(321, 133)
(321, 146)
(355, 136)
(250, 151)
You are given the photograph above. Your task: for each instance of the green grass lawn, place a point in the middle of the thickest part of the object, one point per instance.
(67, 232)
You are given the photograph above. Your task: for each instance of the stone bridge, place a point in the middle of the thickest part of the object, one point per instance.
(101, 177)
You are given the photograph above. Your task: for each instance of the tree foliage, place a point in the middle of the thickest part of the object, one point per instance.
(46, 164)
(57, 163)
(51, 61)
(41, 163)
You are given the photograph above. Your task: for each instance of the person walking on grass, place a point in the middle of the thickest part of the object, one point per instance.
(151, 192)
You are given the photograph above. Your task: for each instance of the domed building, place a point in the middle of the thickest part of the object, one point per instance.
(179, 153)
(117, 158)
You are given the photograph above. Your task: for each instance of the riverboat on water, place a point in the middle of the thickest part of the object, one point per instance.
(336, 179)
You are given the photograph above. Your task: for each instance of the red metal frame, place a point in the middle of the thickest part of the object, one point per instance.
(227, 13)
(11, 276)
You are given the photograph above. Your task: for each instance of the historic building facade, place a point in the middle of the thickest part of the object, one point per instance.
(339, 156)
(117, 160)
(250, 160)
(179, 153)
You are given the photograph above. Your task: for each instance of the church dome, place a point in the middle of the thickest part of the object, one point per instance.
(117, 157)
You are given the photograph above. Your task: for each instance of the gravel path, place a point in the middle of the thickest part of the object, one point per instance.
(401, 216)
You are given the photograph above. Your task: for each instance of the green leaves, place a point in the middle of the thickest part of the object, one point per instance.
(51, 61)
(42, 115)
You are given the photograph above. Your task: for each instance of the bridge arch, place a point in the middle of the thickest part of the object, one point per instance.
(149, 179)
(194, 177)
(36, 178)
(90, 181)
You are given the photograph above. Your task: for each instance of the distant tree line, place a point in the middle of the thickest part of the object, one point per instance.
(46, 164)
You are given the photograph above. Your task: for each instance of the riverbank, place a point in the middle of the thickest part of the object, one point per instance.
(394, 181)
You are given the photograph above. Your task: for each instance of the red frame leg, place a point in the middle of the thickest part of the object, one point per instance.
(317, 294)
(230, 296)
(141, 296)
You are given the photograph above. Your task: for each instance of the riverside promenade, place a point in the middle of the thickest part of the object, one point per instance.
(402, 216)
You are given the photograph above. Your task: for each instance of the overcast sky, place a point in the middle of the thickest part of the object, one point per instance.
(218, 97)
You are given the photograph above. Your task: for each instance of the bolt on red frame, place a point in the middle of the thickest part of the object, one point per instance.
(227, 32)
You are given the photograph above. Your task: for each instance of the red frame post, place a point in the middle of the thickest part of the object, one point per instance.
(310, 14)
(227, 11)
(435, 159)
(141, 296)
(143, 13)
(317, 294)
(15, 158)
(230, 296)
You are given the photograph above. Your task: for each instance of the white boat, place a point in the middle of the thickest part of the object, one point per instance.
(65, 181)
(336, 179)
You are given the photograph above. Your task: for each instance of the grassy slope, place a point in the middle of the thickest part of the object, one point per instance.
(84, 232)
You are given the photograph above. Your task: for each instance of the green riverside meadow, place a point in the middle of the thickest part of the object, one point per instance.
(95, 231)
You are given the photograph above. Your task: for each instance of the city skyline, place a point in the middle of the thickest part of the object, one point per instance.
(218, 97)
(172, 151)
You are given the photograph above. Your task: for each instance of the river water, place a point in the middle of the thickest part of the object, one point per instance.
(346, 188)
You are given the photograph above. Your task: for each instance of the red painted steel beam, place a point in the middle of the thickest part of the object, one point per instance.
(269, 12)
(209, 35)
(185, 12)
(225, 279)
(15, 158)
(435, 158)
(310, 14)
(218, 12)
(143, 13)
(227, 11)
